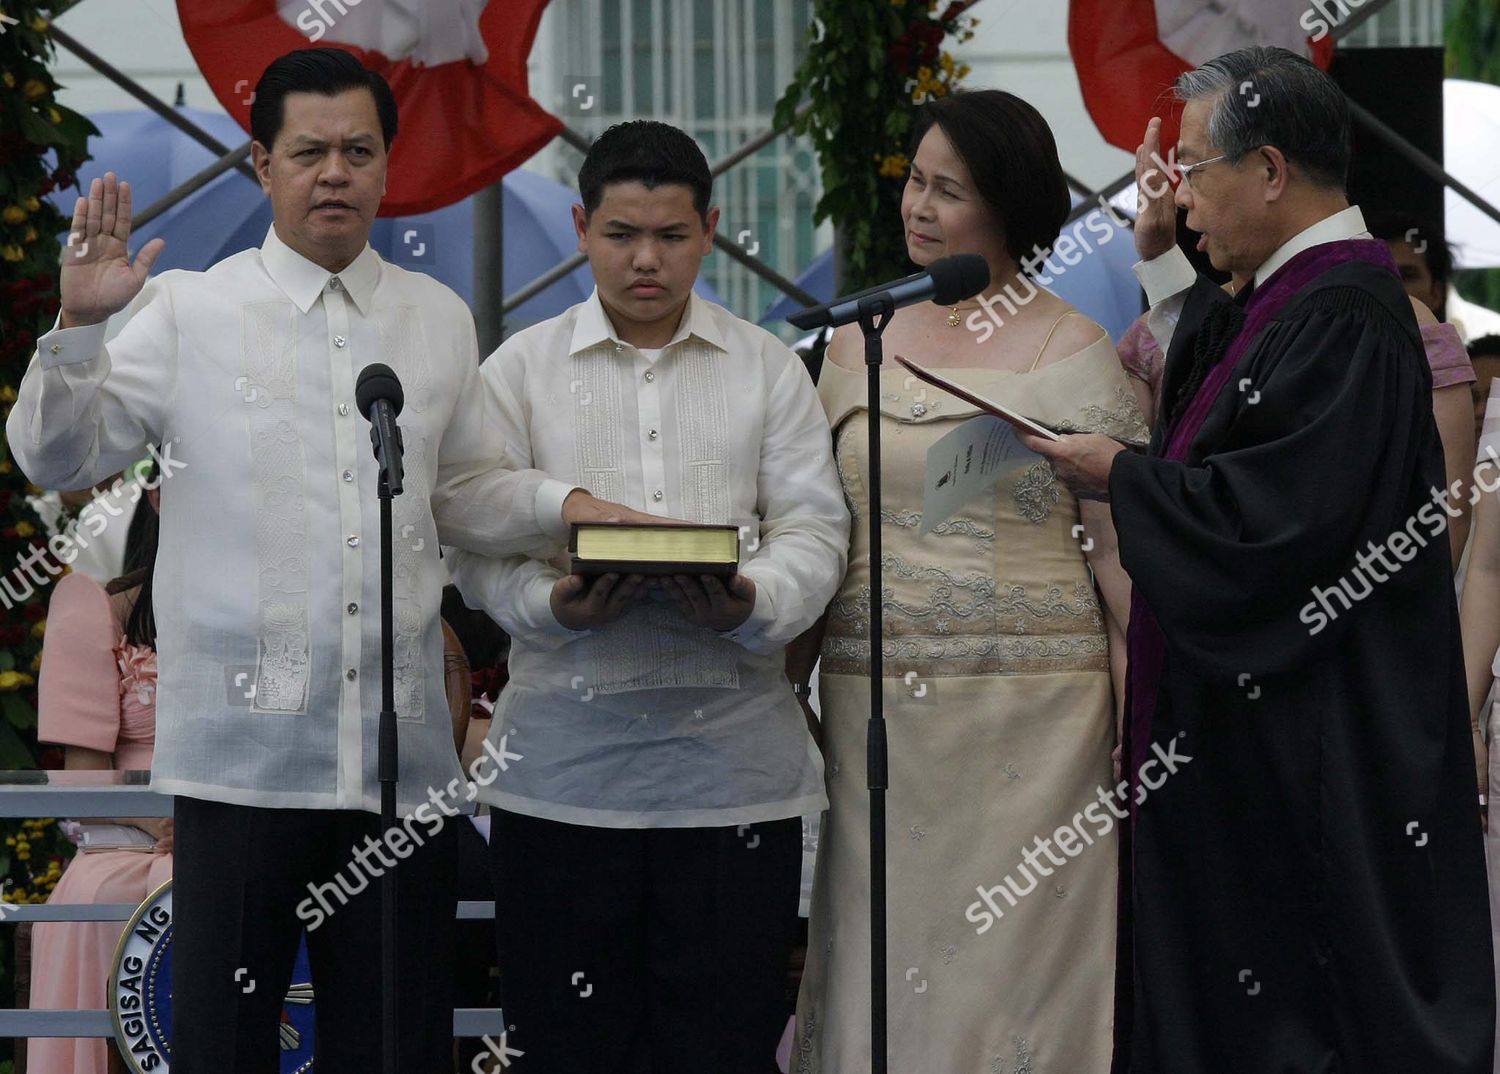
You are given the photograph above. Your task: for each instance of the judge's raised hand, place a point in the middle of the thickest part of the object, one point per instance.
(1082, 461)
(580, 603)
(1156, 220)
(582, 507)
(98, 279)
(707, 602)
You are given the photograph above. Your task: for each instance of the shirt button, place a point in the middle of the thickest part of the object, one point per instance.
(56, 348)
(334, 283)
(344, 409)
(353, 541)
(652, 435)
(338, 341)
(351, 674)
(650, 376)
(348, 475)
(352, 608)
(656, 495)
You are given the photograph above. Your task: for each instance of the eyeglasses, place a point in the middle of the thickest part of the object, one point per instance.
(1187, 170)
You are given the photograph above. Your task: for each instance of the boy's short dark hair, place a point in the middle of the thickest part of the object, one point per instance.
(647, 152)
(329, 71)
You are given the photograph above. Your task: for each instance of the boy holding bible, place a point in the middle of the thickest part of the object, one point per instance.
(645, 838)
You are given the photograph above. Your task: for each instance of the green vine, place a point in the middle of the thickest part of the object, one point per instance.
(867, 67)
(1474, 53)
(42, 145)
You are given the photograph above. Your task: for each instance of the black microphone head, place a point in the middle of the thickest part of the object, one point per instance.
(378, 381)
(958, 277)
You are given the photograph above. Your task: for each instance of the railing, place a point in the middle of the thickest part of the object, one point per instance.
(86, 794)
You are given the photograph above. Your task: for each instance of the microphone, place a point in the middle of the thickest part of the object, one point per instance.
(378, 395)
(947, 281)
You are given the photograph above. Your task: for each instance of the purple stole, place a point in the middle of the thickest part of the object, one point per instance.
(1146, 644)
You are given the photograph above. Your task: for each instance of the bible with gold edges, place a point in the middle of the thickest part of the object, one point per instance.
(654, 548)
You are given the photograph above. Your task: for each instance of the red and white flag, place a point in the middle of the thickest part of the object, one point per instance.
(1129, 52)
(457, 68)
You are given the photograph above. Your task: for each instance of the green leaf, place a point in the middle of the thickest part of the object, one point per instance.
(14, 753)
(18, 713)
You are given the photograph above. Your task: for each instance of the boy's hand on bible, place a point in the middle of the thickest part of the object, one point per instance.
(707, 602)
(579, 604)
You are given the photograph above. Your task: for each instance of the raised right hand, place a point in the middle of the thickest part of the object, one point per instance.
(1156, 219)
(98, 279)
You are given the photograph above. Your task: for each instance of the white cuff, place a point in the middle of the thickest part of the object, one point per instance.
(1165, 276)
(537, 598)
(762, 615)
(549, 504)
(71, 346)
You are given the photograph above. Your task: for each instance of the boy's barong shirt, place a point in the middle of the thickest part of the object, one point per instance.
(651, 721)
(267, 583)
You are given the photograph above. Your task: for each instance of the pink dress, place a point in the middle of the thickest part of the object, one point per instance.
(99, 692)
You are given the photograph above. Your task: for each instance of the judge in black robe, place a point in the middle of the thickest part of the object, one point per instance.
(1303, 886)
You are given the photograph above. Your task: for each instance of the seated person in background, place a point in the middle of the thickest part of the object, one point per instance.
(1427, 266)
(646, 842)
(97, 698)
(1484, 353)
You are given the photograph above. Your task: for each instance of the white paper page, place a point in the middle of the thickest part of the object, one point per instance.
(967, 463)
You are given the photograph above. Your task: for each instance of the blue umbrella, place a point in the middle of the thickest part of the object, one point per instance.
(1101, 284)
(231, 214)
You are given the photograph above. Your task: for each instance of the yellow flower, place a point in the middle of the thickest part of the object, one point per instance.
(10, 680)
(39, 629)
(13, 214)
(31, 204)
(25, 529)
(10, 840)
(29, 236)
(39, 23)
(8, 394)
(54, 116)
(11, 253)
(8, 78)
(36, 661)
(24, 855)
(6, 466)
(34, 89)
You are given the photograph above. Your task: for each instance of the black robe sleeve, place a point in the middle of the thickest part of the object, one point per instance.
(1322, 441)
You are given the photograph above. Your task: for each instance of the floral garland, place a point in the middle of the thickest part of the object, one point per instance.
(42, 145)
(867, 67)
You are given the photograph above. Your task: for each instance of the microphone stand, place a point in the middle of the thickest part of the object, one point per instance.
(875, 312)
(386, 757)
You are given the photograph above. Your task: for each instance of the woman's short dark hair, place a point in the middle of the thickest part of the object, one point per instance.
(1011, 154)
(647, 152)
(328, 71)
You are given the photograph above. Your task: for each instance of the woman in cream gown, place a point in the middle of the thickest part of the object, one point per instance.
(999, 654)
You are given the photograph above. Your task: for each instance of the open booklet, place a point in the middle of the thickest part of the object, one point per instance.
(1016, 420)
(1019, 421)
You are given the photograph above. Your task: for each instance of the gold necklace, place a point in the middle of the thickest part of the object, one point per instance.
(954, 320)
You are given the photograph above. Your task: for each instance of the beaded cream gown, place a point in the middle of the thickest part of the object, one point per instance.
(1000, 710)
